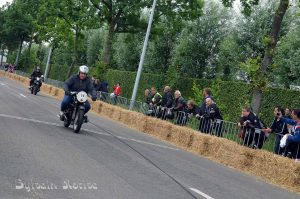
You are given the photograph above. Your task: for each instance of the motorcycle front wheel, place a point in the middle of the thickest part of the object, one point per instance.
(78, 121)
(35, 90)
(67, 121)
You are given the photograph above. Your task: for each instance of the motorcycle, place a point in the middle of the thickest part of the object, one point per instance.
(35, 87)
(75, 113)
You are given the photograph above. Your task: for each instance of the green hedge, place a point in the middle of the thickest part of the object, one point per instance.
(278, 97)
(127, 80)
(230, 96)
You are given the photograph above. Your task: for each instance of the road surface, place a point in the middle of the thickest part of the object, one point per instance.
(39, 158)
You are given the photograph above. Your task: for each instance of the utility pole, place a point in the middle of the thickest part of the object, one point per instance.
(138, 75)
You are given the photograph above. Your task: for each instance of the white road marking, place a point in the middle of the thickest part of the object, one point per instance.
(87, 130)
(2, 84)
(22, 95)
(201, 193)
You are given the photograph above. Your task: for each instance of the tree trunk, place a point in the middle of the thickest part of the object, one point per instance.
(27, 60)
(2, 57)
(256, 100)
(108, 45)
(75, 56)
(2, 54)
(19, 53)
(269, 50)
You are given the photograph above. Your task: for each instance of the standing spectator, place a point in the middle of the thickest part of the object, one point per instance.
(210, 118)
(288, 113)
(155, 102)
(148, 96)
(116, 93)
(103, 89)
(167, 103)
(179, 107)
(206, 94)
(254, 136)
(279, 128)
(96, 84)
(117, 89)
(293, 140)
(93, 78)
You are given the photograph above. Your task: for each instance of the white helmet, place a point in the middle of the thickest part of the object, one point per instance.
(83, 69)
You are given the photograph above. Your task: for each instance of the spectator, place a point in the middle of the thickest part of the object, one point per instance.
(156, 97)
(193, 109)
(155, 102)
(287, 113)
(206, 94)
(167, 103)
(167, 99)
(179, 107)
(148, 96)
(103, 87)
(6, 66)
(279, 128)
(211, 118)
(117, 89)
(254, 136)
(293, 140)
(116, 93)
(96, 84)
(240, 125)
(180, 103)
(93, 79)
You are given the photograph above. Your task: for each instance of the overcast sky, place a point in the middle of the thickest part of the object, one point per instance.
(2, 2)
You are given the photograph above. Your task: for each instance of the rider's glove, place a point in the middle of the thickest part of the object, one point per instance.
(68, 93)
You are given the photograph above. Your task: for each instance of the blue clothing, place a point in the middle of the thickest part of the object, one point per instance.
(103, 87)
(68, 100)
(296, 136)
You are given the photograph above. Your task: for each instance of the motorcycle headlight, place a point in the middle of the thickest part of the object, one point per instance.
(81, 96)
(38, 79)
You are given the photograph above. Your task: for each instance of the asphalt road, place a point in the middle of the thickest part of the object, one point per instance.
(39, 158)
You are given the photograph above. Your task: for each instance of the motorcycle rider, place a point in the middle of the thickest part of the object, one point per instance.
(36, 73)
(77, 83)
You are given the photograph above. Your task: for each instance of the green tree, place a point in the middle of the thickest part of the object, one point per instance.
(18, 24)
(196, 51)
(270, 42)
(286, 62)
(124, 16)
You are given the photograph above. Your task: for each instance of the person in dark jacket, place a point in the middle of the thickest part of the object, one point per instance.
(77, 83)
(148, 96)
(179, 107)
(103, 87)
(193, 109)
(206, 94)
(279, 128)
(166, 104)
(36, 73)
(211, 118)
(254, 136)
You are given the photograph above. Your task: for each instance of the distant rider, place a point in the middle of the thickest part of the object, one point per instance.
(36, 73)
